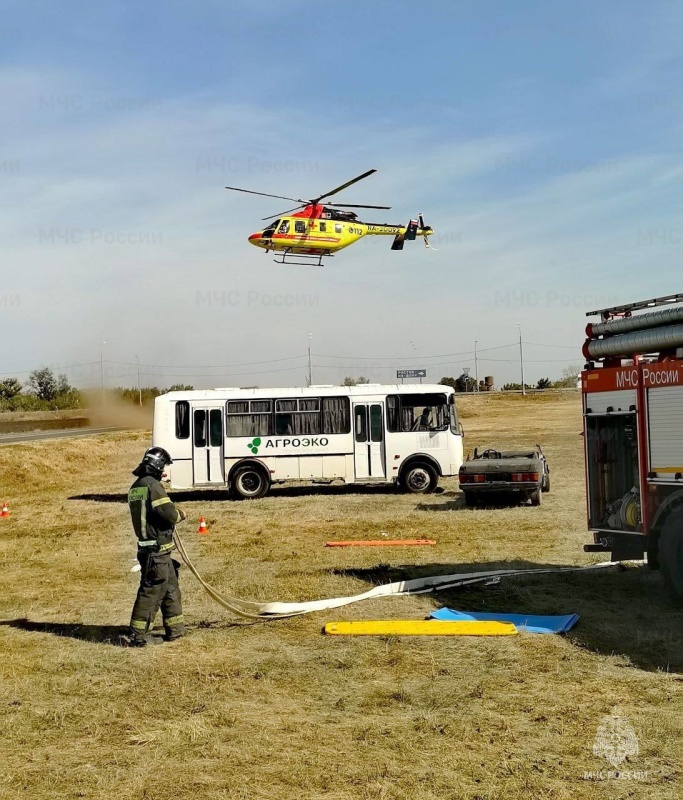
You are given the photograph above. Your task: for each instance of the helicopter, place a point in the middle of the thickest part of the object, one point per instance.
(314, 230)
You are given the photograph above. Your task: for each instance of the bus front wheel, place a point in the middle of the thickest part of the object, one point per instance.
(250, 483)
(419, 479)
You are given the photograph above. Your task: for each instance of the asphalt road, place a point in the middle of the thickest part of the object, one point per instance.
(68, 433)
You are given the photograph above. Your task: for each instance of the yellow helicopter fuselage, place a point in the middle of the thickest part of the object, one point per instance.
(321, 236)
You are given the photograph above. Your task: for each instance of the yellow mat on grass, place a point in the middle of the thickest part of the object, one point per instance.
(419, 627)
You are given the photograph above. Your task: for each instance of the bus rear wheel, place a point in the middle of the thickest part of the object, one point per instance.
(419, 479)
(250, 483)
(671, 555)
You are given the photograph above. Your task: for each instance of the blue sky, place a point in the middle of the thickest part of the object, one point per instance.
(540, 140)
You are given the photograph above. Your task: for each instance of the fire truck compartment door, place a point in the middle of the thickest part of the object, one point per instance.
(665, 417)
(622, 400)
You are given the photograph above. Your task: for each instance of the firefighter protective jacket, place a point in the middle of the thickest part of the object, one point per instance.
(153, 514)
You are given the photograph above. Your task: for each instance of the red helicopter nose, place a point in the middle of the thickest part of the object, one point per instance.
(255, 237)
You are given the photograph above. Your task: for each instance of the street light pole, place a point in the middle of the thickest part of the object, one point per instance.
(102, 370)
(476, 365)
(137, 358)
(521, 357)
(310, 368)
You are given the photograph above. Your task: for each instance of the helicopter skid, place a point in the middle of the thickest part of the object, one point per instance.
(311, 260)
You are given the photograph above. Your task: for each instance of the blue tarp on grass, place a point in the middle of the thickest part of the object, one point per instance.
(533, 623)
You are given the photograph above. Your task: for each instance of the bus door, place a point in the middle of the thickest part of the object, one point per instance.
(207, 446)
(368, 434)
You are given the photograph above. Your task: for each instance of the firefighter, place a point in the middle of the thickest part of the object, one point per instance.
(154, 516)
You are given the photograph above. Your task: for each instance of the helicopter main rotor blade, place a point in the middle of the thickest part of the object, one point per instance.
(265, 194)
(283, 213)
(344, 185)
(354, 205)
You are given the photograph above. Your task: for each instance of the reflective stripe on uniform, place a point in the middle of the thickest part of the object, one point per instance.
(171, 622)
(138, 624)
(160, 501)
(139, 494)
(153, 543)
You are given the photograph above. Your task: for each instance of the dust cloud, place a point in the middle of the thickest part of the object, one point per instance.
(117, 412)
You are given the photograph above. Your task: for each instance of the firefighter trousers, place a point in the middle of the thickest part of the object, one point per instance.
(159, 588)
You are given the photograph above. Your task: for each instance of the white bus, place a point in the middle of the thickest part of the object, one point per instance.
(248, 439)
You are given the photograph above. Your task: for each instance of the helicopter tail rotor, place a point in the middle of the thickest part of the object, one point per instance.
(426, 231)
(414, 227)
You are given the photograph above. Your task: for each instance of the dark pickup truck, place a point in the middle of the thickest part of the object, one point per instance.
(505, 474)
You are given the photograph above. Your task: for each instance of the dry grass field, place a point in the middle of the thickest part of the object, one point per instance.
(272, 710)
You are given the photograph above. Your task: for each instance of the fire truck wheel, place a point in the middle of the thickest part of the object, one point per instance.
(535, 498)
(671, 555)
(419, 478)
(250, 483)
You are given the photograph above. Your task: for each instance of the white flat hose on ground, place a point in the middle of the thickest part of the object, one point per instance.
(251, 610)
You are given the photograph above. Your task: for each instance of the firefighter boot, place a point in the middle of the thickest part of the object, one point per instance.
(175, 628)
(137, 633)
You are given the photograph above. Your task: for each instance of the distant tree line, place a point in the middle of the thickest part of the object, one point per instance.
(42, 391)
(349, 381)
(45, 391)
(148, 393)
(466, 383)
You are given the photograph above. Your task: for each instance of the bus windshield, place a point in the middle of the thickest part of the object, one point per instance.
(418, 412)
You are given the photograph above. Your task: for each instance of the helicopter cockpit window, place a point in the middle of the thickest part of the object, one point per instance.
(270, 230)
(300, 226)
(284, 226)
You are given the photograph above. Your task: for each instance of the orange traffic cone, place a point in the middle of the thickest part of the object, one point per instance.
(5, 511)
(203, 527)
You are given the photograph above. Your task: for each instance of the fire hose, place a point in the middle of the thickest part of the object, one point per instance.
(251, 610)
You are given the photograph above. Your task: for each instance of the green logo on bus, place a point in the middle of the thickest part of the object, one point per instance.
(253, 446)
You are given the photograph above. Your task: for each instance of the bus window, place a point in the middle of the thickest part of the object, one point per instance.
(418, 412)
(182, 419)
(376, 433)
(336, 415)
(283, 425)
(297, 416)
(200, 428)
(249, 418)
(393, 413)
(361, 424)
(216, 427)
(454, 418)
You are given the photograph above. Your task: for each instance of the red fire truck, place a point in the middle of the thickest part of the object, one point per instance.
(632, 391)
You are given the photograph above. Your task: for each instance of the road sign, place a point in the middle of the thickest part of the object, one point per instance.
(411, 373)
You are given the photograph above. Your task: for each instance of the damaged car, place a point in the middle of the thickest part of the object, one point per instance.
(509, 476)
